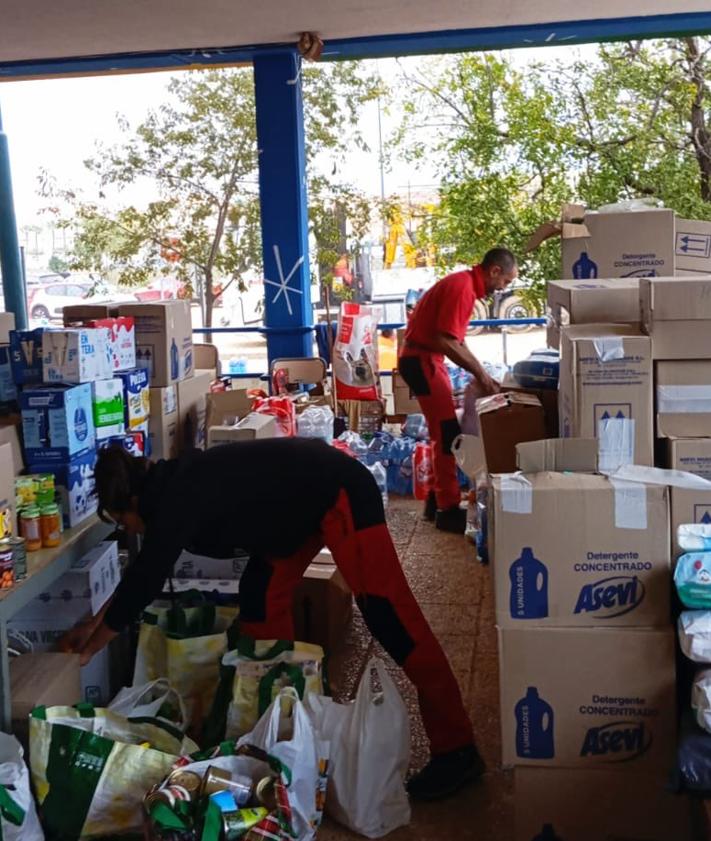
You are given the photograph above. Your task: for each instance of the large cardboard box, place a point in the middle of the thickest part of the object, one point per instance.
(164, 340)
(598, 805)
(692, 455)
(224, 408)
(8, 389)
(57, 423)
(107, 399)
(9, 434)
(249, 428)
(192, 409)
(404, 401)
(683, 395)
(7, 323)
(26, 356)
(588, 697)
(74, 479)
(163, 422)
(50, 679)
(676, 314)
(8, 512)
(571, 549)
(606, 391)
(81, 313)
(121, 337)
(136, 392)
(598, 301)
(692, 247)
(688, 506)
(548, 398)
(323, 605)
(626, 244)
(76, 355)
(506, 420)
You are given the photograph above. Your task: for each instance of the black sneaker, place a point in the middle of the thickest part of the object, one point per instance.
(452, 519)
(430, 507)
(446, 773)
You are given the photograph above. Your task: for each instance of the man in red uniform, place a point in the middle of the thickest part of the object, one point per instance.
(436, 329)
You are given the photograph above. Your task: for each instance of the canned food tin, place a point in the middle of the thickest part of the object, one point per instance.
(268, 829)
(235, 824)
(265, 793)
(19, 557)
(188, 780)
(160, 796)
(177, 792)
(7, 577)
(216, 779)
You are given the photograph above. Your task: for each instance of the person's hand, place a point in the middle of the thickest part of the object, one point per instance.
(77, 637)
(489, 385)
(101, 637)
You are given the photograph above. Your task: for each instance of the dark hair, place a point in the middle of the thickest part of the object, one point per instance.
(118, 477)
(501, 257)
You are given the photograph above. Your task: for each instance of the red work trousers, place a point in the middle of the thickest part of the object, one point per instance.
(429, 381)
(354, 530)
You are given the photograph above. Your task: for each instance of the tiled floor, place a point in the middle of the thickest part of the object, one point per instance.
(455, 593)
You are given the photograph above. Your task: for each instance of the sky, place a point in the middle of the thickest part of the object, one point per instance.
(55, 124)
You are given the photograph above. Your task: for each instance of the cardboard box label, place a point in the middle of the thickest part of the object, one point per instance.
(612, 704)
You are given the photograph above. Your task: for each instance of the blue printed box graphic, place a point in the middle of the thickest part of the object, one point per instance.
(529, 587)
(702, 514)
(534, 727)
(693, 245)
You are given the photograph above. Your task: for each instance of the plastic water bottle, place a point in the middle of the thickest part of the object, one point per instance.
(380, 475)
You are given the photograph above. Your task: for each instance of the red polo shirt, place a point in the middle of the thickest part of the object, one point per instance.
(446, 308)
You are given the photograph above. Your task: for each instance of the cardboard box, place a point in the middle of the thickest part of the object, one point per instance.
(597, 805)
(76, 355)
(588, 697)
(405, 401)
(8, 389)
(44, 630)
(688, 506)
(74, 479)
(8, 513)
(224, 408)
(609, 301)
(505, 420)
(164, 340)
(192, 410)
(194, 566)
(683, 396)
(692, 247)
(108, 404)
(163, 422)
(626, 244)
(133, 442)
(88, 585)
(676, 314)
(548, 398)
(606, 391)
(207, 358)
(26, 356)
(121, 337)
(136, 397)
(9, 434)
(7, 323)
(248, 429)
(81, 313)
(692, 455)
(42, 679)
(612, 568)
(323, 605)
(57, 423)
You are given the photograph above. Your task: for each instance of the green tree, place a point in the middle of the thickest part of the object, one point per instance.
(513, 142)
(196, 159)
(57, 264)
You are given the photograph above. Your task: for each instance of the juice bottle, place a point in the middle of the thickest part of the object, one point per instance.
(30, 528)
(50, 526)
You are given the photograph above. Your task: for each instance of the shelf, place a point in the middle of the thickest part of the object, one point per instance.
(46, 565)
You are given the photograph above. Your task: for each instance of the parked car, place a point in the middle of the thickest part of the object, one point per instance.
(46, 303)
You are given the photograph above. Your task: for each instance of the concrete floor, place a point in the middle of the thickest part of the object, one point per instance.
(455, 593)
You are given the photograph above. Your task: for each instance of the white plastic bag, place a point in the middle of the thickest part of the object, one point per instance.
(370, 754)
(694, 629)
(18, 816)
(701, 699)
(304, 757)
(156, 699)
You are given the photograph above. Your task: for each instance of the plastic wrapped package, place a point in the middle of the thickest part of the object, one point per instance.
(399, 467)
(316, 422)
(355, 444)
(694, 628)
(692, 578)
(415, 426)
(694, 537)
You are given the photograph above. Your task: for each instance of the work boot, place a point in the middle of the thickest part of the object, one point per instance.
(430, 507)
(446, 773)
(452, 519)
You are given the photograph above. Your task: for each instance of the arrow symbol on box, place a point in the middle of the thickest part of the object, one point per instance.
(687, 243)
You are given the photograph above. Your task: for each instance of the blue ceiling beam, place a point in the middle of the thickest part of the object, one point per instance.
(381, 46)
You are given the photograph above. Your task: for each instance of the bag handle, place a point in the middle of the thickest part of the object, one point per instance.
(9, 810)
(246, 647)
(266, 684)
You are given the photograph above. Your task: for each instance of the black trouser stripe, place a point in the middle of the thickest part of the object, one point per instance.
(449, 430)
(385, 625)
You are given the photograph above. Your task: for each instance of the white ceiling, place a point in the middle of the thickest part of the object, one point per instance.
(45, 29)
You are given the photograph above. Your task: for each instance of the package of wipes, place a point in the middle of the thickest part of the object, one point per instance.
(701, 699)
(694, 628)
(692, 577)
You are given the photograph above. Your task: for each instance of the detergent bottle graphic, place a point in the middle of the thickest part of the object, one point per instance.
(534, 727)
(547, 834)
(584, 267)
(174, 366)
(529, 587)
(81, 427)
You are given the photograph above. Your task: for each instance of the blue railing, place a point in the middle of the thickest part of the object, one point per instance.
(394, 325)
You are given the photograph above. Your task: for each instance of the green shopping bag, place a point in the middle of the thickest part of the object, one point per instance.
(252, 675)
(91, 768)
(183, 640)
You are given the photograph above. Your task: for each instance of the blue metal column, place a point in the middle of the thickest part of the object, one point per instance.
(10, 263)
(282, 189)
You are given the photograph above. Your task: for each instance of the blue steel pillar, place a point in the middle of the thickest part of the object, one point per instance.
(10, 263)
(282, 190)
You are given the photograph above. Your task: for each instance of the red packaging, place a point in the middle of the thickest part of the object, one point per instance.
(423, 472)
(282, 408)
